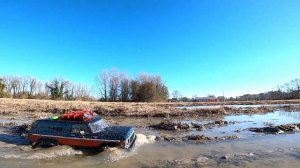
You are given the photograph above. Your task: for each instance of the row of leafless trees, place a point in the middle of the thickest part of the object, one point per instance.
(112, 86)
(29, 87)
(115, 86)
(290, 90)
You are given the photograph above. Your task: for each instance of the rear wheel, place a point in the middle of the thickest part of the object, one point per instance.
(45, 143)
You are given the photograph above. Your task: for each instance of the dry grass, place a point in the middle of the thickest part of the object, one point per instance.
(8, 106)
(41, 107)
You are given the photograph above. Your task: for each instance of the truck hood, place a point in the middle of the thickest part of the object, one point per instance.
(116, 133)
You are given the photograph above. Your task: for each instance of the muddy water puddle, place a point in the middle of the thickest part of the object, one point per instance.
(250, 150)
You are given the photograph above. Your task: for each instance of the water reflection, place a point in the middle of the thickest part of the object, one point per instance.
(295, 115)
(236, 106)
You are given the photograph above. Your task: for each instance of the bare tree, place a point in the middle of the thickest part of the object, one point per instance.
(2, 87)
(76, 91)
(24, 84)
(296, 87)
(16, 86)
(69, 91)
(7, 80)
(134, 90)
(113, 84)
(290, 90)
(82, 92)
(33, 85)
(176, 95)
(124, 87)
(42, 91)
(102, 82)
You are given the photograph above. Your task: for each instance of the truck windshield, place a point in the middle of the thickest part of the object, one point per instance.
(98, 126)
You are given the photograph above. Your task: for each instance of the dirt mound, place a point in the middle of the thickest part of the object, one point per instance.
(171, 126)
(280, 129)
(168, 125)
(195, 138)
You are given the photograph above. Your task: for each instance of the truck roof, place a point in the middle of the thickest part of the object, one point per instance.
(75, 117)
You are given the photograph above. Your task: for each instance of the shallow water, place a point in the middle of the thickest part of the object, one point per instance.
(236, 106)
(251, 150)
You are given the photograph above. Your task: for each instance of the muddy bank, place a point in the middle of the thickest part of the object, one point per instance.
(262, 102)
(280, 129)
(195, 138)
(168, 125)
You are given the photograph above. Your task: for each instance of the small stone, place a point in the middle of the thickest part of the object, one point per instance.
(251, 154)
(183, 162)
(202, 160)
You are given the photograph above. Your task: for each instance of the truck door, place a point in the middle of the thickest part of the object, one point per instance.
(79, 132)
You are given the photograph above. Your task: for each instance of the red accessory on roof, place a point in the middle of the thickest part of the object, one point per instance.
(78, 115)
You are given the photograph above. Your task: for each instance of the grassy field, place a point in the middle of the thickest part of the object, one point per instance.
(36, 107)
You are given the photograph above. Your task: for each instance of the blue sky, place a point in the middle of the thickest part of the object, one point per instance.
(199, 47)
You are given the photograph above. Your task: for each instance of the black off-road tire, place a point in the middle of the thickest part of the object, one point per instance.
(45, 143)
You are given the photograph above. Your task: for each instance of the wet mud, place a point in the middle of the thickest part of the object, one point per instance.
(279, 129)
(195, 138)
(175, 126)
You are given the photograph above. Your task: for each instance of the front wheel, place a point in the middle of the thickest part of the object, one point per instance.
(104, 148)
